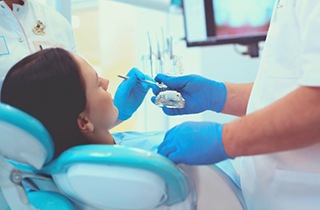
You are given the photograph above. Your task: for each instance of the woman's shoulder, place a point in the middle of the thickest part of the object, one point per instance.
(138, 134)
(144, 140)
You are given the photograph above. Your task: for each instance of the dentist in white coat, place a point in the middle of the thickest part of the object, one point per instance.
(277, 136)
(27, 26)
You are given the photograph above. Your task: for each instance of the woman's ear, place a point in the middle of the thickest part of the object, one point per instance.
(84, 124)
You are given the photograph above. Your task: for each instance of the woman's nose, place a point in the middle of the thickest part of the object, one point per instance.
(105, 83)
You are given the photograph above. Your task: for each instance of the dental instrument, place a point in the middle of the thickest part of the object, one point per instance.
(150, 56)
(159, 57)
(160, 85)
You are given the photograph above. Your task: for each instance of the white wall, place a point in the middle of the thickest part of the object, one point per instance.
(64, 7)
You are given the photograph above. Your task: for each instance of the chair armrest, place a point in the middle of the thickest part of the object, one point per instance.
(117, 155)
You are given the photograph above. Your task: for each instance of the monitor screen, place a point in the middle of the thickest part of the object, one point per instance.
(212, 22)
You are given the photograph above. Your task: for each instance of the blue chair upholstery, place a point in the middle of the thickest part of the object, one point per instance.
(116, 157)
(45, 200)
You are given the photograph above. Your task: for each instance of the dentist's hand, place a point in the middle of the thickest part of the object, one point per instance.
(194, 143)
(130, 93)
(200, 94)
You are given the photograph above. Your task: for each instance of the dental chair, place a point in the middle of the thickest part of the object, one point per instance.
(88, 177)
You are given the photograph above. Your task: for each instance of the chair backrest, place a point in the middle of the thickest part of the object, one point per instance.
(25, 143)
(23, 138)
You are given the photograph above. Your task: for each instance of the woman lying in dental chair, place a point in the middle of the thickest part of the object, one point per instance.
(64, 92)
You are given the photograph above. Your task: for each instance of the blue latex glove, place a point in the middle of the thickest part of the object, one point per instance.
(200, 94)
(130, 93)
(194, 143)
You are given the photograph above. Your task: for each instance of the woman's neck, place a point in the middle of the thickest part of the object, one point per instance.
(100, 137)
(11, 2)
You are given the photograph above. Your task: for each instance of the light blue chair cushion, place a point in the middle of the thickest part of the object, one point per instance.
(177, 184)
(49, 201)
(20, 126)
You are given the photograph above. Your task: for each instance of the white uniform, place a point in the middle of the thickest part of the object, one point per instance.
(291, 58)
(17, 32)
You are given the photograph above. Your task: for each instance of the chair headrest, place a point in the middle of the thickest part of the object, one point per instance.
(23, 138)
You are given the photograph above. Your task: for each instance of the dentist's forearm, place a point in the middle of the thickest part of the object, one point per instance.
(237, 98)
(290, 123)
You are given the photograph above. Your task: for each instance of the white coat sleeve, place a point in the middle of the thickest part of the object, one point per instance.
(308, 19)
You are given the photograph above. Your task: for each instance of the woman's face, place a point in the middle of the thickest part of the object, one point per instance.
(100, 109)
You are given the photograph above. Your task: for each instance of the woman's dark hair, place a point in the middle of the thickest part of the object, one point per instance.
(48, 86)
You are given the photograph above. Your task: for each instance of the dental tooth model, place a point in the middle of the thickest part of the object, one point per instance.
(170, 99)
